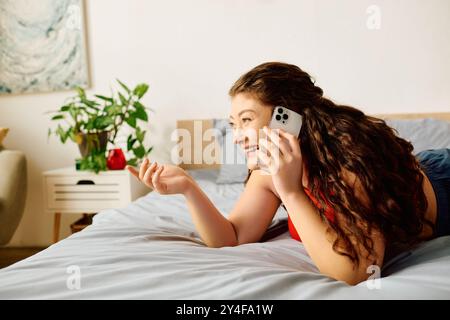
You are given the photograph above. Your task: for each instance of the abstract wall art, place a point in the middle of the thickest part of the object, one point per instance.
(42, 46)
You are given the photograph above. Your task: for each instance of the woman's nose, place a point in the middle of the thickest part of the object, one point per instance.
(245, 136)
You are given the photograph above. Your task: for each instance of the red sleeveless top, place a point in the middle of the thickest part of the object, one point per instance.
(329, 213)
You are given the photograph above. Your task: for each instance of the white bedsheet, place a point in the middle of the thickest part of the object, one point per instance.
(150, 250)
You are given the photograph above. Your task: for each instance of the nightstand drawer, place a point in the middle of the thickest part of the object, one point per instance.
(94, 192)
(93, 182)
(67, 190)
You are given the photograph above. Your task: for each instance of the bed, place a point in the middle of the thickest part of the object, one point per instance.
(151, 250)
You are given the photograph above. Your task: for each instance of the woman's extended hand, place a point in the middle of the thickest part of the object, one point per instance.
(164, 179)
(280, 153)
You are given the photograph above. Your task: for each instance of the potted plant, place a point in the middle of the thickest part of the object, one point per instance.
(94, 122)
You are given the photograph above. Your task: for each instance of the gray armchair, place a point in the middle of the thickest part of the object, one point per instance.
(13, 192)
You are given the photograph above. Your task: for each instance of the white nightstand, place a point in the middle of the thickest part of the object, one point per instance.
(67, 190)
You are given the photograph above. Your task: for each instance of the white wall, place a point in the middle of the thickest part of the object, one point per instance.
(190, 52)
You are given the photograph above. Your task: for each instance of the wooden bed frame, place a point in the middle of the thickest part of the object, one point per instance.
(199, 126)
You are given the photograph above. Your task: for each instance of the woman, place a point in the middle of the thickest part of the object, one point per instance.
(354, 192)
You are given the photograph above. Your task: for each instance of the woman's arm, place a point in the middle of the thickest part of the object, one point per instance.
(248, 220)
(317, 237)
(215, 230)
(318, 240)
(246, 223)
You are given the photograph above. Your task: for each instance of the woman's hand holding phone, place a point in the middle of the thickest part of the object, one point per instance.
(280, 154)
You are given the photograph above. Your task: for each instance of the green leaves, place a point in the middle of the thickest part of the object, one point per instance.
(124, 86)
(62, 134)
(99, 113)
(74, 112)
(130, 142)
(58, 117)
(103, 122)
(135, 144)
(131, 120)
(81, 92)
(113, 110)
(90, 103)
(140, 112)
(140, 134)
(139, 152)
(95, 161)
(107, 99)
(64, 108)
(123, 100)
(132, 162)
(140, 90)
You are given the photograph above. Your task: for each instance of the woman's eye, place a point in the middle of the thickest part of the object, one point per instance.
(231, 124)
(244, 120)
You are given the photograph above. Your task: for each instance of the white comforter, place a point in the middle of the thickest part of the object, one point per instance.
(150, 250)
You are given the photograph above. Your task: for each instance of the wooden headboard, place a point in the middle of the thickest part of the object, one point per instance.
(438, 115)
(196, 128)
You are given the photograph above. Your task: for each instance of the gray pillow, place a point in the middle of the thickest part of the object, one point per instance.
(234, 167)
(424, 134)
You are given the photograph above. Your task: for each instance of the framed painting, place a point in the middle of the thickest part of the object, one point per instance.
(42, 46)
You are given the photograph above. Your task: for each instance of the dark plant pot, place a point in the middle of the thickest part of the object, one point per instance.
(93, 141)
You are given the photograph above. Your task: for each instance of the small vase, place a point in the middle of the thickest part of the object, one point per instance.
(116, 159)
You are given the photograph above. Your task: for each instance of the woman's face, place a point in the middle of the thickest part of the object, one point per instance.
(247, 117)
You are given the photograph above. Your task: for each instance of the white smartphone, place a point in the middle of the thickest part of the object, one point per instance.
(288, 120)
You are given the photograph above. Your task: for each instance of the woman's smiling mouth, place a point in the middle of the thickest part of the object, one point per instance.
(251, 150)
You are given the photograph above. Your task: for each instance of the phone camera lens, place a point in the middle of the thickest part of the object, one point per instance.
(285, 116)
(280, 110)
(278, 117)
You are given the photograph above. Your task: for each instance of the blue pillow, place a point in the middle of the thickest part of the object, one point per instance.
(424, 133)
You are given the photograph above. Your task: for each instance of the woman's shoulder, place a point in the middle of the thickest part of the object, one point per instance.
(260, 176)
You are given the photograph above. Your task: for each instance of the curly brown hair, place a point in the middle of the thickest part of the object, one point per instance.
(336, 137)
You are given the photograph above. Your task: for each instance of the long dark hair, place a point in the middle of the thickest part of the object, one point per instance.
(335, 137)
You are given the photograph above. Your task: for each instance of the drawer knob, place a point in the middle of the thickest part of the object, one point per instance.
(85, 182)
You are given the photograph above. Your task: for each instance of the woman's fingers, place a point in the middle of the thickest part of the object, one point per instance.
(278, 140)
(133, 171)
(270, 161)
(263, 158)
(292, 140)
(156, 181)
(147, 179)
(274, 152)
(149, 174)
(143, 169)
